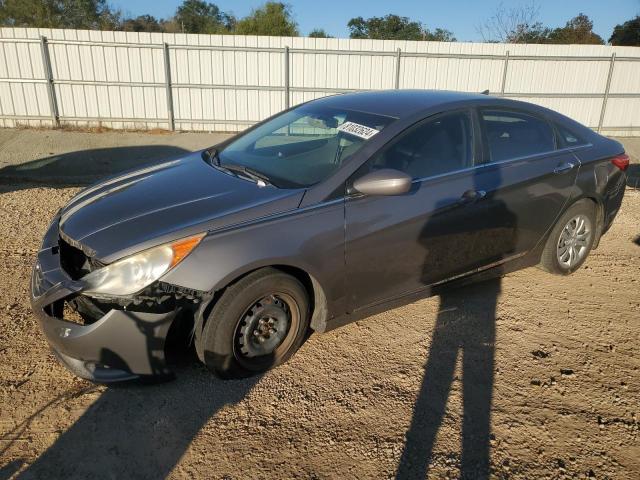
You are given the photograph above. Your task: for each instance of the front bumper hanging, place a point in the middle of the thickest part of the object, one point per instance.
(120, 345)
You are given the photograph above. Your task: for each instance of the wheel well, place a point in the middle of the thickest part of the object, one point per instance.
(599, 218)
(315, 292)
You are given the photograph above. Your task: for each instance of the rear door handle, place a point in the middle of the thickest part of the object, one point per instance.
(564, 167)
(471, 196)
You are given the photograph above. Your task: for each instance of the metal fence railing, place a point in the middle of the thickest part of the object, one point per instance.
(195, 85)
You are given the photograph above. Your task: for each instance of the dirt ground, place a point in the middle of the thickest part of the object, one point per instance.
(549, 367)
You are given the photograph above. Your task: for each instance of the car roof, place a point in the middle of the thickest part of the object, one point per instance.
(397, 103)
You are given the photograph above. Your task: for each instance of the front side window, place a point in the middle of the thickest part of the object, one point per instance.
(303, 146)
(436, 146)
(514, 134)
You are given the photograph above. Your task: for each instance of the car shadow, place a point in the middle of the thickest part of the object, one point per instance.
(138, 431)
(84, 167)
(465, 326)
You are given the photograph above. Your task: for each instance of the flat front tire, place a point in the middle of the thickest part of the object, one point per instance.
(259, 322)
(571, 239)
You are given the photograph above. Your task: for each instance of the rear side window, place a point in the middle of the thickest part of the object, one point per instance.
(514, 134)
(567, 138)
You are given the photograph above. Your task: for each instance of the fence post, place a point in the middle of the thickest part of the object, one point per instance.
(606, 91)
(504, 73)
(286, 78)
(397, 85)
(167, 75)
(48, 72)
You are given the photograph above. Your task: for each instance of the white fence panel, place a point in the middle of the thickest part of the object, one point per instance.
(227, 82)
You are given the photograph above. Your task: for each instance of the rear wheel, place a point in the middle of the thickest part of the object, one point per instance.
(570, 240)
(258, 323)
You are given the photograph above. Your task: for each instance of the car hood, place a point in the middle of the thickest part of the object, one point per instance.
(162, 203)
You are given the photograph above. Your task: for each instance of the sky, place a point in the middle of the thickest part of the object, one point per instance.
(462, 17)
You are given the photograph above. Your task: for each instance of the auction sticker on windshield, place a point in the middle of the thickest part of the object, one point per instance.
(358, 130)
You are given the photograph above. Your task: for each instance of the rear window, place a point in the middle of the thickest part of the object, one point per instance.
(515, 134)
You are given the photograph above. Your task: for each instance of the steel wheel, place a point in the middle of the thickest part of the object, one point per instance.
(574, 241)
(266, 330)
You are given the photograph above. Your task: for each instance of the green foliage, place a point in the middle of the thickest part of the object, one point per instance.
(319, 33)
(82, 14)
(391, 27)
(512, 25)
(440, 35)
(627, 34)
(273, 18)
(578, 30)
(529, 33)
(395, 27)
(520, 25)
(142, 23)
(198, 16)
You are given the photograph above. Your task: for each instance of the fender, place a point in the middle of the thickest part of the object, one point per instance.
(308, 239)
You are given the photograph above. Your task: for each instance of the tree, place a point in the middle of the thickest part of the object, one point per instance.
(85, 14)
(577, 30)
(627, 34)
(319, 33)
(515, 25)
(273, 18)
(395, 27)
(390, 27)
(440, 35)
(198, 16)
(142, 23)
(521, 25)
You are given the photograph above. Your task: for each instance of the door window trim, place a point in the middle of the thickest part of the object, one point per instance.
(475, 145)
(521, 111)
(480, 144)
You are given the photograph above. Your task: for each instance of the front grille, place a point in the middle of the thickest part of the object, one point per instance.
(74, 261)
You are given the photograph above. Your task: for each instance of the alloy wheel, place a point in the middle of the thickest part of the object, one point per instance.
(574, 241)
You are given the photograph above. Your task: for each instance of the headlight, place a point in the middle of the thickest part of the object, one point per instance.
(132, 274)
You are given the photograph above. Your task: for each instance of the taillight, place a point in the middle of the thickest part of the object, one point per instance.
(621, 161)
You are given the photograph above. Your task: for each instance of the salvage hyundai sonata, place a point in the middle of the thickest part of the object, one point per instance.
(326, 213)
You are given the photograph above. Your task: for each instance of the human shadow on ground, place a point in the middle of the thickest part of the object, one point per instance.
(84, 167)
(8, 470)
(465, 325)
(138, 431)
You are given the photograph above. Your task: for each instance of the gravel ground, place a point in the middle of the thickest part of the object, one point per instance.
(550, 368)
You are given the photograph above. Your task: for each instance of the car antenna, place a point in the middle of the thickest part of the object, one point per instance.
(486, 92)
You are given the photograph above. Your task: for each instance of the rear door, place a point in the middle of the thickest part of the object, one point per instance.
(527, 180)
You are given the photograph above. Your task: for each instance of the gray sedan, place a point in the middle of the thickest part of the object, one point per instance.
(321, 215)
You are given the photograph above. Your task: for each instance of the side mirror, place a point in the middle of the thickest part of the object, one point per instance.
(383, 182)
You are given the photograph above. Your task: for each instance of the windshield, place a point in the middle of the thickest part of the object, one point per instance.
(303, 146)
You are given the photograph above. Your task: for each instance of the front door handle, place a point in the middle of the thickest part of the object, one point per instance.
(471, 196)
(564, 168)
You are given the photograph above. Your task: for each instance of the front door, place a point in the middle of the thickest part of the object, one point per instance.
(401, 244)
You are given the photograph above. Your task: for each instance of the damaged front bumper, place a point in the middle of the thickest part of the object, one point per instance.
(118, 344)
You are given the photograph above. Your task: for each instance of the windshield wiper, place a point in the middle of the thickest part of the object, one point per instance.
(260, 178)
(212, 157)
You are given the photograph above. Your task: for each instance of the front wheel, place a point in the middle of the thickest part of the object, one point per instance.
(258, 323)
(570, 240)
